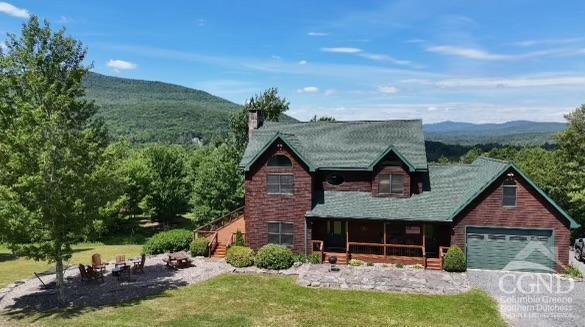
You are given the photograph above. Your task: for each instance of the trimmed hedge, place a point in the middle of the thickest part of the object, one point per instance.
(455, 260)
(200, 247)
(169, 241)
(240, 256)
(274, 256)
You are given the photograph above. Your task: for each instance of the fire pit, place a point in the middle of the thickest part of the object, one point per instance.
(333, 260)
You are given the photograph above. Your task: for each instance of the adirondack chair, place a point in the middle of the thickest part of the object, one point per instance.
(120, 260)
(96, 262)
(138, 266)
(88, 273)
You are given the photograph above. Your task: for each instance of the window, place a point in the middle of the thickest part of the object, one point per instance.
(509, 193)
(391, 184)
(280, 161)
(280, 184)
(280, 233)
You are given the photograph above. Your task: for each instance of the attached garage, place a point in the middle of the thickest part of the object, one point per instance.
(510, 249)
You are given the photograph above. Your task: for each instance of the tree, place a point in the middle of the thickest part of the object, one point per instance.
(168, 193)
(572, 156)
(269, 103)
(51, 146)
(322, 118)
(471, 155)
(443, 160)
(218, 186)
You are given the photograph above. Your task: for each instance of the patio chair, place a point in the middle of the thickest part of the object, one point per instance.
(94, 274)
(120, 260)
(138, 267)
(96, 262)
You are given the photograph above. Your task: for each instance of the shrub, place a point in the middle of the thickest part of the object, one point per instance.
(273, 256)
(356, 263)
(314, 258)
(418, 266)
(200, 247)
(370, 264)
(455, 260)
(573, 272)
(240, 256)
(399, 266)
(240, 241)
(169, 241)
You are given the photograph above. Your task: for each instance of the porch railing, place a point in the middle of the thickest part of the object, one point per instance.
(213, 243)
(442, 252)
(386, 250)
(317, 247)
(218, 223)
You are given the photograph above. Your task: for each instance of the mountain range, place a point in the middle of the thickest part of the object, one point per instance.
(147, 111)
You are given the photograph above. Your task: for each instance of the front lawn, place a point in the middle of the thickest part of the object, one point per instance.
(13, 269)
(253, 300)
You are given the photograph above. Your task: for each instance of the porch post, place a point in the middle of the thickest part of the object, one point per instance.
(347, 236)
(424, 239)
(384, 240)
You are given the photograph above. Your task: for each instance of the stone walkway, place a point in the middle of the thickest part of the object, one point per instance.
(385, 279)
(26, 297)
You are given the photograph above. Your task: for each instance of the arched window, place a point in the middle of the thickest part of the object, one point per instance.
(509, 192)
(280, 161)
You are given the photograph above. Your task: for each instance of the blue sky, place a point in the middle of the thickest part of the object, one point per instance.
(476, 61)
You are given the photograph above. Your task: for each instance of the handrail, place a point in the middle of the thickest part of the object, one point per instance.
(219, 222)
(320, 245)
(442, 252)
(213, 244)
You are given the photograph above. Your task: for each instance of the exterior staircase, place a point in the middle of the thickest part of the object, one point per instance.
(434, 264)
(220, 251)
(220, 232)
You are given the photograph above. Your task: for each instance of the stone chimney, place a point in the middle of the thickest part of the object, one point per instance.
(255, 120)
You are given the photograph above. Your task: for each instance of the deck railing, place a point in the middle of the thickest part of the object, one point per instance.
(386, 250)
(317, 247)
(442, 252)
(214, 225)
(213, 244)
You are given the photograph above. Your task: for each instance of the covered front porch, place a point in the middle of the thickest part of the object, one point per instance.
(407, 243)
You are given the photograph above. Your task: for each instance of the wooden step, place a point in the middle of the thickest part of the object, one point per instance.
(341, 257)
(220, 251)
(434, 264)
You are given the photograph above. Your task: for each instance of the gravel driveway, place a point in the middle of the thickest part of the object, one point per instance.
(534, 300)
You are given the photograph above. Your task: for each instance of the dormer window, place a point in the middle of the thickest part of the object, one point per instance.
(509, 193)
(391, 184)
(279, 161)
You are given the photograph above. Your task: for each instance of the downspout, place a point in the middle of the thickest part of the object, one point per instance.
(306, 253)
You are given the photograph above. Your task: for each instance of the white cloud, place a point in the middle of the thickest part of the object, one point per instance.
(520, 82)
(478, 54)
(388, 89)
(367, 55)
(118, 65)
(342, 50)
(330, 92)
(302, 62)
(317, 34)
(11, 10)
(309, 89)
(530, 43)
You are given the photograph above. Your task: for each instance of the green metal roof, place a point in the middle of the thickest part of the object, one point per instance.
(355, 145)
(453, 188)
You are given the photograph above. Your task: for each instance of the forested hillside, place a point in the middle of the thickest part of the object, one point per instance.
(147, 111)
(517, 133)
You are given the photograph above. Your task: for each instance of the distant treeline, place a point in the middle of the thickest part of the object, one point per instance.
(455, 152)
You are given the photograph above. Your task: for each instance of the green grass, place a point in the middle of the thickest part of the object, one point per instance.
(13, 269)
(253, 300)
